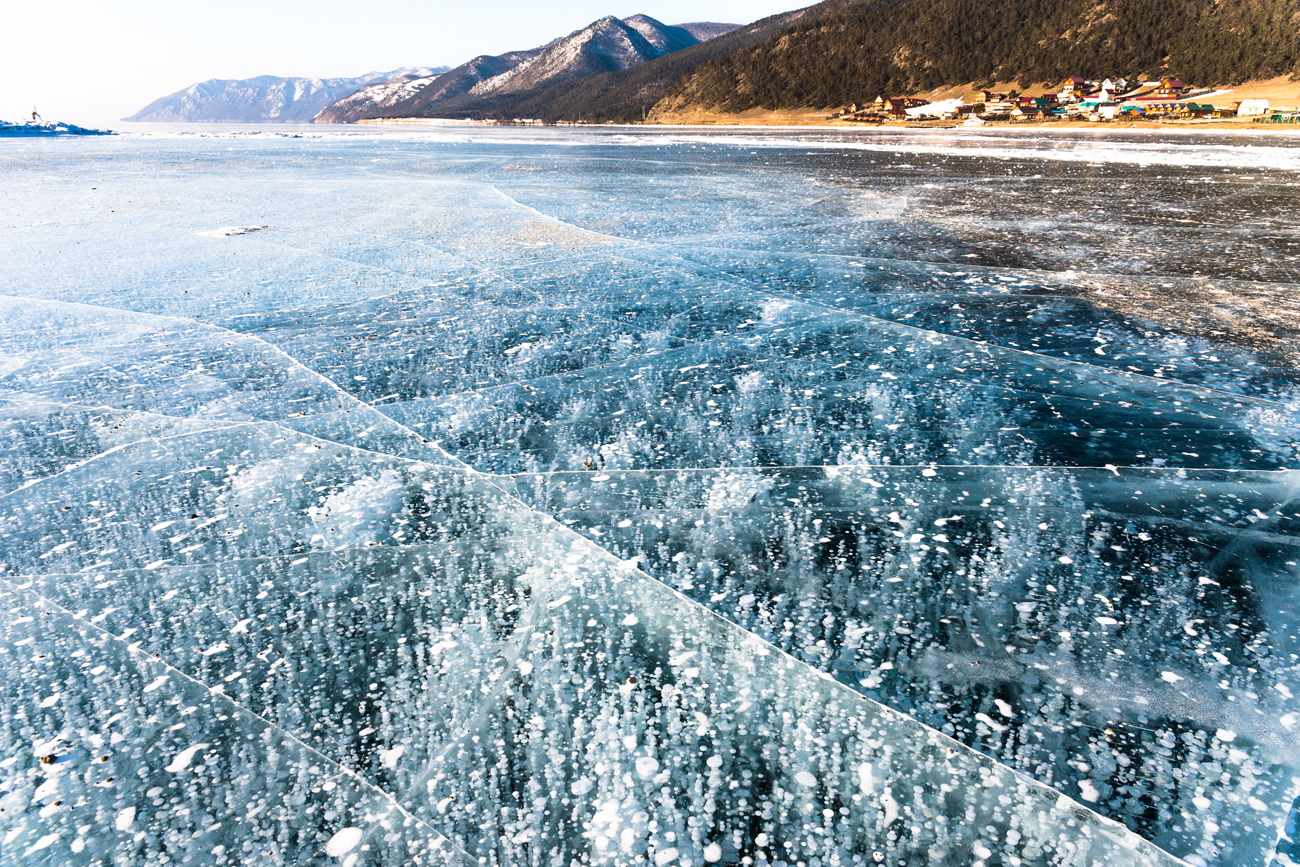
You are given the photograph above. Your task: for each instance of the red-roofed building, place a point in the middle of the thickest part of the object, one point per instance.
(1075, 88)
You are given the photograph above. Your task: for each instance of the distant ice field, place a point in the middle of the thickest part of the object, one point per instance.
(1223, 148)
(512, 496)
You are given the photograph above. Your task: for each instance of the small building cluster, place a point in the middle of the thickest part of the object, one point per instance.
(1076, 99)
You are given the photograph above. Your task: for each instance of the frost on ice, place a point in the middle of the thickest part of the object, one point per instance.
(527, 508)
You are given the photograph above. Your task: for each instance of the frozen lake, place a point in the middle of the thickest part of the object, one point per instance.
(540, 496)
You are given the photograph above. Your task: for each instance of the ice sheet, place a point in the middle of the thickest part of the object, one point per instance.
(595, 497)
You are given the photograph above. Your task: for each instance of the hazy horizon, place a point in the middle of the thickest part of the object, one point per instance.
(88, 64)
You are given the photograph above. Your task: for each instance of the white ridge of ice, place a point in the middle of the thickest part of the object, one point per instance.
(985, 144)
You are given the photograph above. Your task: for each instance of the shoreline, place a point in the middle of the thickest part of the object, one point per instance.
(789, 121)
(1281, 92)
(1003, 126)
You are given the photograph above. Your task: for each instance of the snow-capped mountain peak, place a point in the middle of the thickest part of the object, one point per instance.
(602, 46)
(667, 37)
(608, 44)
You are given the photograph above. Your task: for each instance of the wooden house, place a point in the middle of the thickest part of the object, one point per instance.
(1113, 87)
(1074, 87)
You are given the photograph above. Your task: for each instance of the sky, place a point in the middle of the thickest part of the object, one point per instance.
(91, 62)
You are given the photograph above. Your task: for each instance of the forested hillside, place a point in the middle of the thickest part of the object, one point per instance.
(924, 44)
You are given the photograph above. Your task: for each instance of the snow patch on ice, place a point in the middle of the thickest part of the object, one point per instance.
(231, 231)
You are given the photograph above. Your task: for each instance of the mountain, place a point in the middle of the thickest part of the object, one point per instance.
(609, 45)
(923, 44)
(668, 38)
(602, 46)
(261, 99)
(626, 95)
(703, 31)
(379, 98)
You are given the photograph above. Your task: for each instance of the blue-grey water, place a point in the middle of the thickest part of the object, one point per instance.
(550, 496)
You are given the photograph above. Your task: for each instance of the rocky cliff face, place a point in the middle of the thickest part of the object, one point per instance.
(266, 98)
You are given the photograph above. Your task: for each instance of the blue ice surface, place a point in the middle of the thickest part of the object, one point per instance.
(609, 496)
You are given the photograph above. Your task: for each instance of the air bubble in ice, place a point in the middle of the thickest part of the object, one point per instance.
(343, 842)
(665, 856)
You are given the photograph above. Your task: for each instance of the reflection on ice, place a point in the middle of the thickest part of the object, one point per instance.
(607, 499)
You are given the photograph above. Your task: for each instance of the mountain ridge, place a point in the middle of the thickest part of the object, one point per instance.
(607, 45)
(623, 95)
(261, 99)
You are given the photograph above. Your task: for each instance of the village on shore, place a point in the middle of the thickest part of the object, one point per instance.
(1078, 99)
